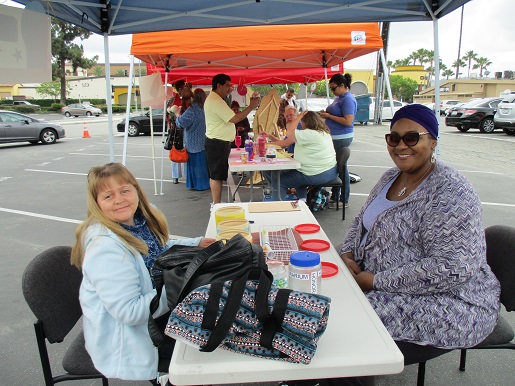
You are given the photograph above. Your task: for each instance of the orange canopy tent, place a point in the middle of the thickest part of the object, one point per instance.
(258, 47)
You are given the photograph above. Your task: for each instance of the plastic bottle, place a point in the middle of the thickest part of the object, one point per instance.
(305, 272)
(262, 144)
(249, 149)
(278, 269)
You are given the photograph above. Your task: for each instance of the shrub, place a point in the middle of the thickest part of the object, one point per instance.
(56, 107)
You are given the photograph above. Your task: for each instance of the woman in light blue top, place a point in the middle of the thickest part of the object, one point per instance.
(121, 236)
(339, 117)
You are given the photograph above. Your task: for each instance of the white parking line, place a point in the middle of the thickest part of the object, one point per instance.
(55, 218)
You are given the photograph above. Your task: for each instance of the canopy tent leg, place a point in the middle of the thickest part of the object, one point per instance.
(108, 98)
(387, 80)
(153, 150)
(437, 80)
(164, 131)
(127, 111)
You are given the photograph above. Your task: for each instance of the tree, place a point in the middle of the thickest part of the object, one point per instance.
(51, 89)
(469, 57)
(119, 72)
(448, 72)
(98, 71)
(389, 65)
(459, 63)
(63, 48)
(403, 87)
(482, 64)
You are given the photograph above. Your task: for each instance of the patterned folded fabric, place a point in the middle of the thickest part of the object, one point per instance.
(295, 339)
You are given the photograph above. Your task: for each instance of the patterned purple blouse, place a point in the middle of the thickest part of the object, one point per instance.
(432, 285)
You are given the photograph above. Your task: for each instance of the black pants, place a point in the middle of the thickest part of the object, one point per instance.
(413, 353)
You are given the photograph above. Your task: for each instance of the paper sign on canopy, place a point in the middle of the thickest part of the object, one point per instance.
(152, 91)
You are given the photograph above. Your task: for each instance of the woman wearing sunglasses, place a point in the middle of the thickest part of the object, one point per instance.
(339, 118)
(417, 247)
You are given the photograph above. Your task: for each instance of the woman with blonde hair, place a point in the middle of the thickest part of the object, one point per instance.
(313, 149)
(115, 248)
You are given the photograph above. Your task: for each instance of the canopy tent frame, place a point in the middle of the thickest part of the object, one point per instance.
(118, 17)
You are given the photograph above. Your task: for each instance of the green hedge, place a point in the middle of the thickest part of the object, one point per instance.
(20, 109)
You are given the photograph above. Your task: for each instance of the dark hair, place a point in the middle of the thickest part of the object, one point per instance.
(235, 104)
(313, 121)
(219, 79)
(339, 79)
(199, 97)
(290, 89)
(179, 84)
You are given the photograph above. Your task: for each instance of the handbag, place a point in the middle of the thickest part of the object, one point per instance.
(249, 317)
(181, 269)
(179, 156)
(178, 151)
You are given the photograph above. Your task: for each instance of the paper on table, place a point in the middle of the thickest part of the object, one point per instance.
(276, 206)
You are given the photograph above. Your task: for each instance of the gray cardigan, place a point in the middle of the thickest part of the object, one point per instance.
(432, 285)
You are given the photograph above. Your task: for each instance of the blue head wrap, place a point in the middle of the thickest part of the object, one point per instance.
(418, 113)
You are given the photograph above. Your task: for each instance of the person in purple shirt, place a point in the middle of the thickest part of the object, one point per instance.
(339, 117)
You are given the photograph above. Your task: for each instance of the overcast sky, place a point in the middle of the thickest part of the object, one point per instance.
(488, 30)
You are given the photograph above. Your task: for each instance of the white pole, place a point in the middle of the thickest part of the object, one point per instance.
(437, 80)
(153, 151)
(326, 86)
(387, 79)
(108, 98)
(127, 111)
(163, 136)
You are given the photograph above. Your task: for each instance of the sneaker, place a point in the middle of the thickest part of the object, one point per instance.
(347, 205)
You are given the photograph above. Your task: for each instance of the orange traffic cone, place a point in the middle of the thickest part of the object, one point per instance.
(85, 133)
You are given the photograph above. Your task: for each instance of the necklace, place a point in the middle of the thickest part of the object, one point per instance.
(402, 192)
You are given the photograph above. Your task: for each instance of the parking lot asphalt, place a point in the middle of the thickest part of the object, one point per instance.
(42, 190)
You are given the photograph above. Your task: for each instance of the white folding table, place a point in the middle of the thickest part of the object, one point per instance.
(257, 165)
(355, 343)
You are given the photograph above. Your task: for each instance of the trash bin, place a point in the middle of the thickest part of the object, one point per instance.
(362, 115)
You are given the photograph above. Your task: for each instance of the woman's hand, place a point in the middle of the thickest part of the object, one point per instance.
(348, 259)
(365, 280)
(205, 242)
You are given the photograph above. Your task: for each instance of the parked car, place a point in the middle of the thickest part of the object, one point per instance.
(505, 116)
(77, 109)
(474, 114)
(387, 111)
(447, 105)
(16, 127)
(140, 124)
(26, 103)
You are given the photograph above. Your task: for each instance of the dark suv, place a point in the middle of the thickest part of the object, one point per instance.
(478, 113)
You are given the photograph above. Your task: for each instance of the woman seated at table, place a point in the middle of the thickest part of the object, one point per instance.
(116, 244)
(313, 149)
(417, 247)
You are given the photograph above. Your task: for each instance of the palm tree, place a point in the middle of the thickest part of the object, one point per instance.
(482, 63)
(98, 71)
(458, 63)
(469, 57)
(448, 72)
(421, 55)
(389, 65)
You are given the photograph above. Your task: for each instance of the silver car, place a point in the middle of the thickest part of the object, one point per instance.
(505, 115)
(16, 127)
(77, 109)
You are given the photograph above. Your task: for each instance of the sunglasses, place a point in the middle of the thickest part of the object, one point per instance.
(333, 89)
(409, 139)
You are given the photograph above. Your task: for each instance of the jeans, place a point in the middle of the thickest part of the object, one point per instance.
(335, 192)
(297, 180)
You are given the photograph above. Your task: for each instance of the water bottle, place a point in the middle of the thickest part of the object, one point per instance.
(305, 272)
(262, 144)
(267, 194)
